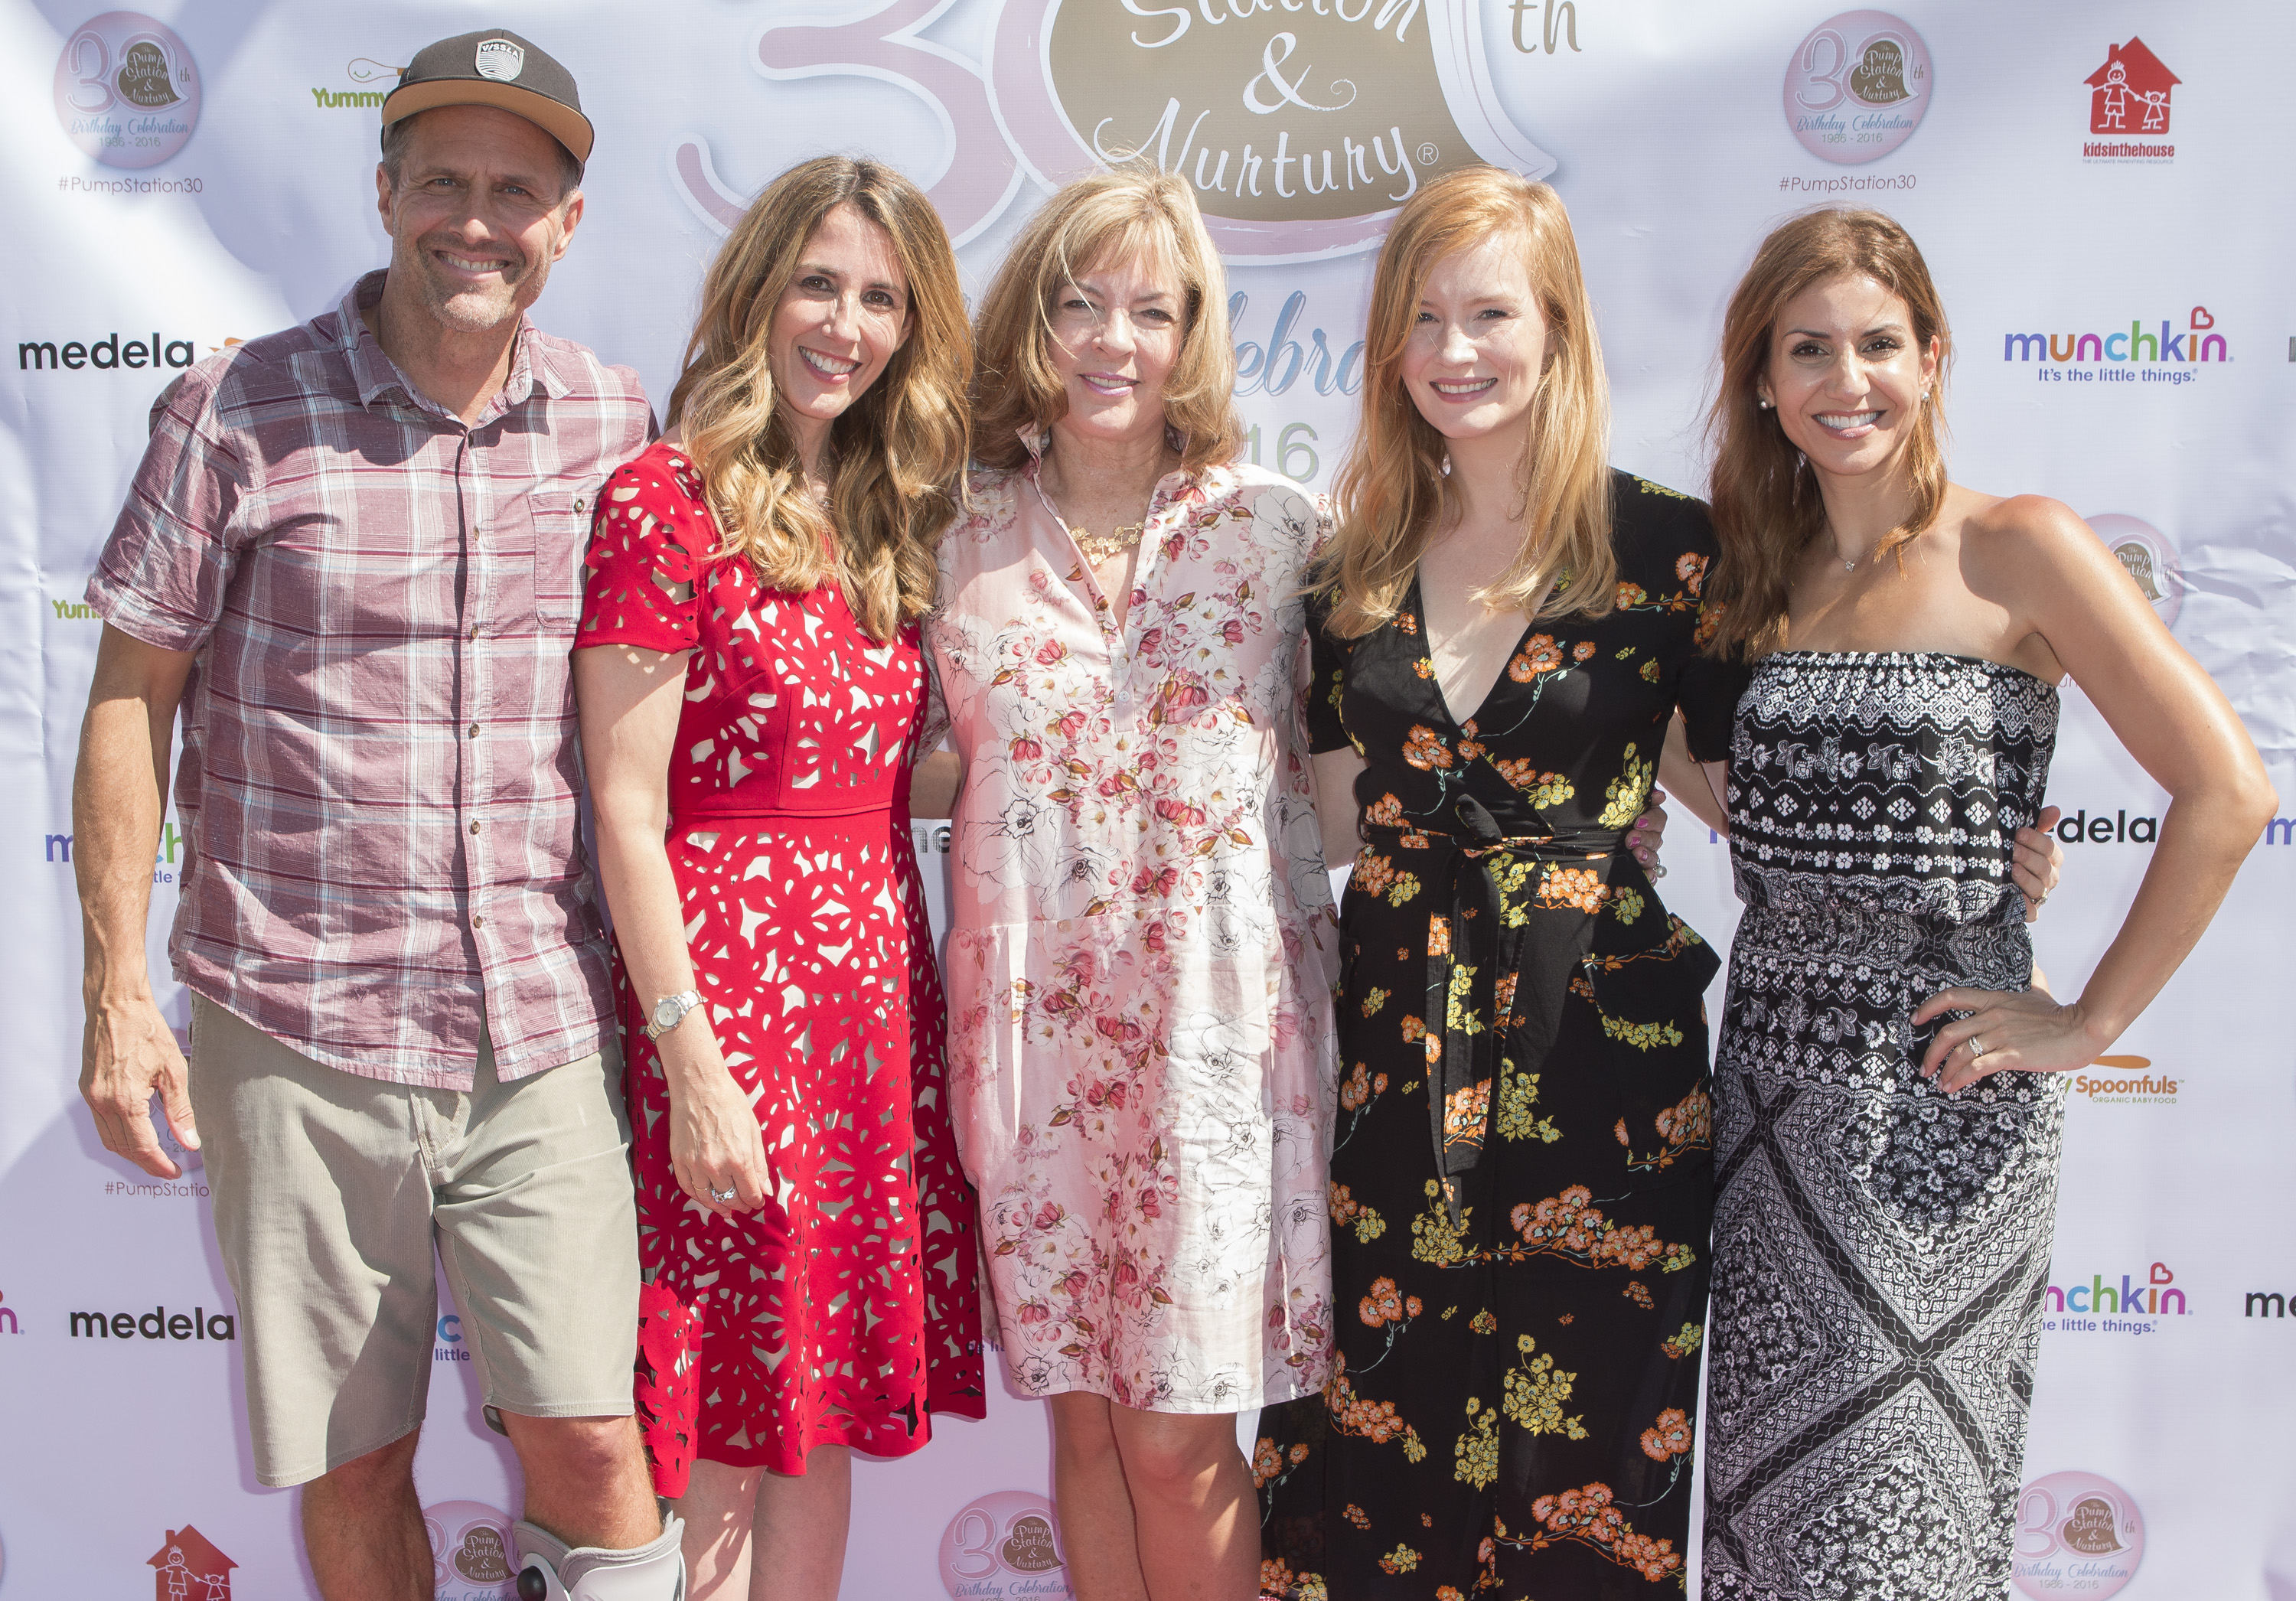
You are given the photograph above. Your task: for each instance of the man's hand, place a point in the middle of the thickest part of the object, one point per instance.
(120, 794)
(127, 1052)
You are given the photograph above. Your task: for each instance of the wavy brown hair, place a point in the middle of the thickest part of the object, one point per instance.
(1766, 499)
(1129, 211)
(1394, 486)
(895, 456)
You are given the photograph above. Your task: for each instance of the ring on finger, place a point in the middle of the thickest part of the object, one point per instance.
(1976, 1048)
(723, 1196)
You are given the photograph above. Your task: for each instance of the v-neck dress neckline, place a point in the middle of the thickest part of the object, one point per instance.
(1415, 600)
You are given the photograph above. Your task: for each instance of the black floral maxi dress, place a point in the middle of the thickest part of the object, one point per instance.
(1522, 1167)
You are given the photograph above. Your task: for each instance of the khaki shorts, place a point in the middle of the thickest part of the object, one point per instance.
(330, 1191)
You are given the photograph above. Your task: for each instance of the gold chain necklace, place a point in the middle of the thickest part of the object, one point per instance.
(1095, 548)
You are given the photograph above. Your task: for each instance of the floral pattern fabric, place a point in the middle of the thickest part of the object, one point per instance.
(1141, 945)
(844, 1311)
(1521, 1173)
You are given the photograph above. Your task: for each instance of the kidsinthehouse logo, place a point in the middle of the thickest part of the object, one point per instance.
(2135, 1305)
(2168, 351)
(190, 1567)
(2129, 107)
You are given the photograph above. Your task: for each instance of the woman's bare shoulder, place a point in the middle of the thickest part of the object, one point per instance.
(2013, 533)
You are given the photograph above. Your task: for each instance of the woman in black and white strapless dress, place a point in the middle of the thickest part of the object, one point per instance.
(1873, 1337)
(1888, 1097)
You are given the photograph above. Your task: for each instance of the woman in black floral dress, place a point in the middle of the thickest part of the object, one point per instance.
(1521, 1188)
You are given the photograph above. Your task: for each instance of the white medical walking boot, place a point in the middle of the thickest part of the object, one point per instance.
(550, 1571)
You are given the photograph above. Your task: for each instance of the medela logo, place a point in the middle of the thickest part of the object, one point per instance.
(2133, 1307)
(2153, 353)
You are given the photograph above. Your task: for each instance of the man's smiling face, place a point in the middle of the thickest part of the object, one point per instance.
(478, 214)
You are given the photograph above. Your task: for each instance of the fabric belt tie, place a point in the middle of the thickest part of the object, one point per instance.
(1485, 978)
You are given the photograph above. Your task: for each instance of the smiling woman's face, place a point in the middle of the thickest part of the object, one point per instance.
(1478, 342)
(843, 313)
(1847, 376)
(1117, 332)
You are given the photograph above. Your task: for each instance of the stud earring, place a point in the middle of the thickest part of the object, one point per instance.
(1765, 405)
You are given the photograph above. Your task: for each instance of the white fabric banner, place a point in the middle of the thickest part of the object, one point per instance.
(2092, 185)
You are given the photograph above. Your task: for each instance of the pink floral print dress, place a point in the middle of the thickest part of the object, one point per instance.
(1141, 945)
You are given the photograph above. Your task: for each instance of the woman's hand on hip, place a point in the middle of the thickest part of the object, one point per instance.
(2024, 1030)
(716, 1147)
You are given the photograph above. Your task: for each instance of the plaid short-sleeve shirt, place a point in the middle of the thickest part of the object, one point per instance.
(379, 783)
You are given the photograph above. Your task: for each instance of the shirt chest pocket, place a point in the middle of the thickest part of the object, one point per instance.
(560, 515)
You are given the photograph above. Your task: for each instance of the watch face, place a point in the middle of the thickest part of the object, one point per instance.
(666, 1012)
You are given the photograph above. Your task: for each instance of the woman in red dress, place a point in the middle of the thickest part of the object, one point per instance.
(748, 680)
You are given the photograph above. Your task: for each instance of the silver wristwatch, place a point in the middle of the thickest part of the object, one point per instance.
(670, 1011)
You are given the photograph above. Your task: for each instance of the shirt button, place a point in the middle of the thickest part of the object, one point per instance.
(478, 922)
(474, 731)
(474, 828)
(474, 630)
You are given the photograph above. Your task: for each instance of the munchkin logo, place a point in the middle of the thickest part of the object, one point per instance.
(2098, 1306)
(1301, 124)
(2159, 358)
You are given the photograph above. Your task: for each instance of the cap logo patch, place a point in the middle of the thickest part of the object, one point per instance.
(500, 60)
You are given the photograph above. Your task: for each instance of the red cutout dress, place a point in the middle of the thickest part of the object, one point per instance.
(845, 1310)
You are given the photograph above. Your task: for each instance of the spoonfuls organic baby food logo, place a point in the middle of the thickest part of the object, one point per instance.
(1301, 126)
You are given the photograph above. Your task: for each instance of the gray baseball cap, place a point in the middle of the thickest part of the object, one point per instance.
(498, 68)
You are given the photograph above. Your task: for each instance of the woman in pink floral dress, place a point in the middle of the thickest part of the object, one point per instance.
(1140, 1045)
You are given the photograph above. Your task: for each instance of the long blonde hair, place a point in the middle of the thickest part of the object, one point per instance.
(897, 455)
(1394, 486)
(1131, 210)
(1766, 504)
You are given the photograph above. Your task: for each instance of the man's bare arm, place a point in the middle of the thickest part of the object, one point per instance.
(119, 795)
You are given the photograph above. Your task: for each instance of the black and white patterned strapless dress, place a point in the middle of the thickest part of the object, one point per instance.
(1880, 1246)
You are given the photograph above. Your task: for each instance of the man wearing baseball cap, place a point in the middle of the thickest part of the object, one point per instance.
(352, 559)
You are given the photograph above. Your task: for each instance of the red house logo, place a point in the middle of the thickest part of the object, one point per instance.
(190, 1568)
(2129, 93)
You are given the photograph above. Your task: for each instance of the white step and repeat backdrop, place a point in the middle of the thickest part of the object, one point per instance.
(2095, 186)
